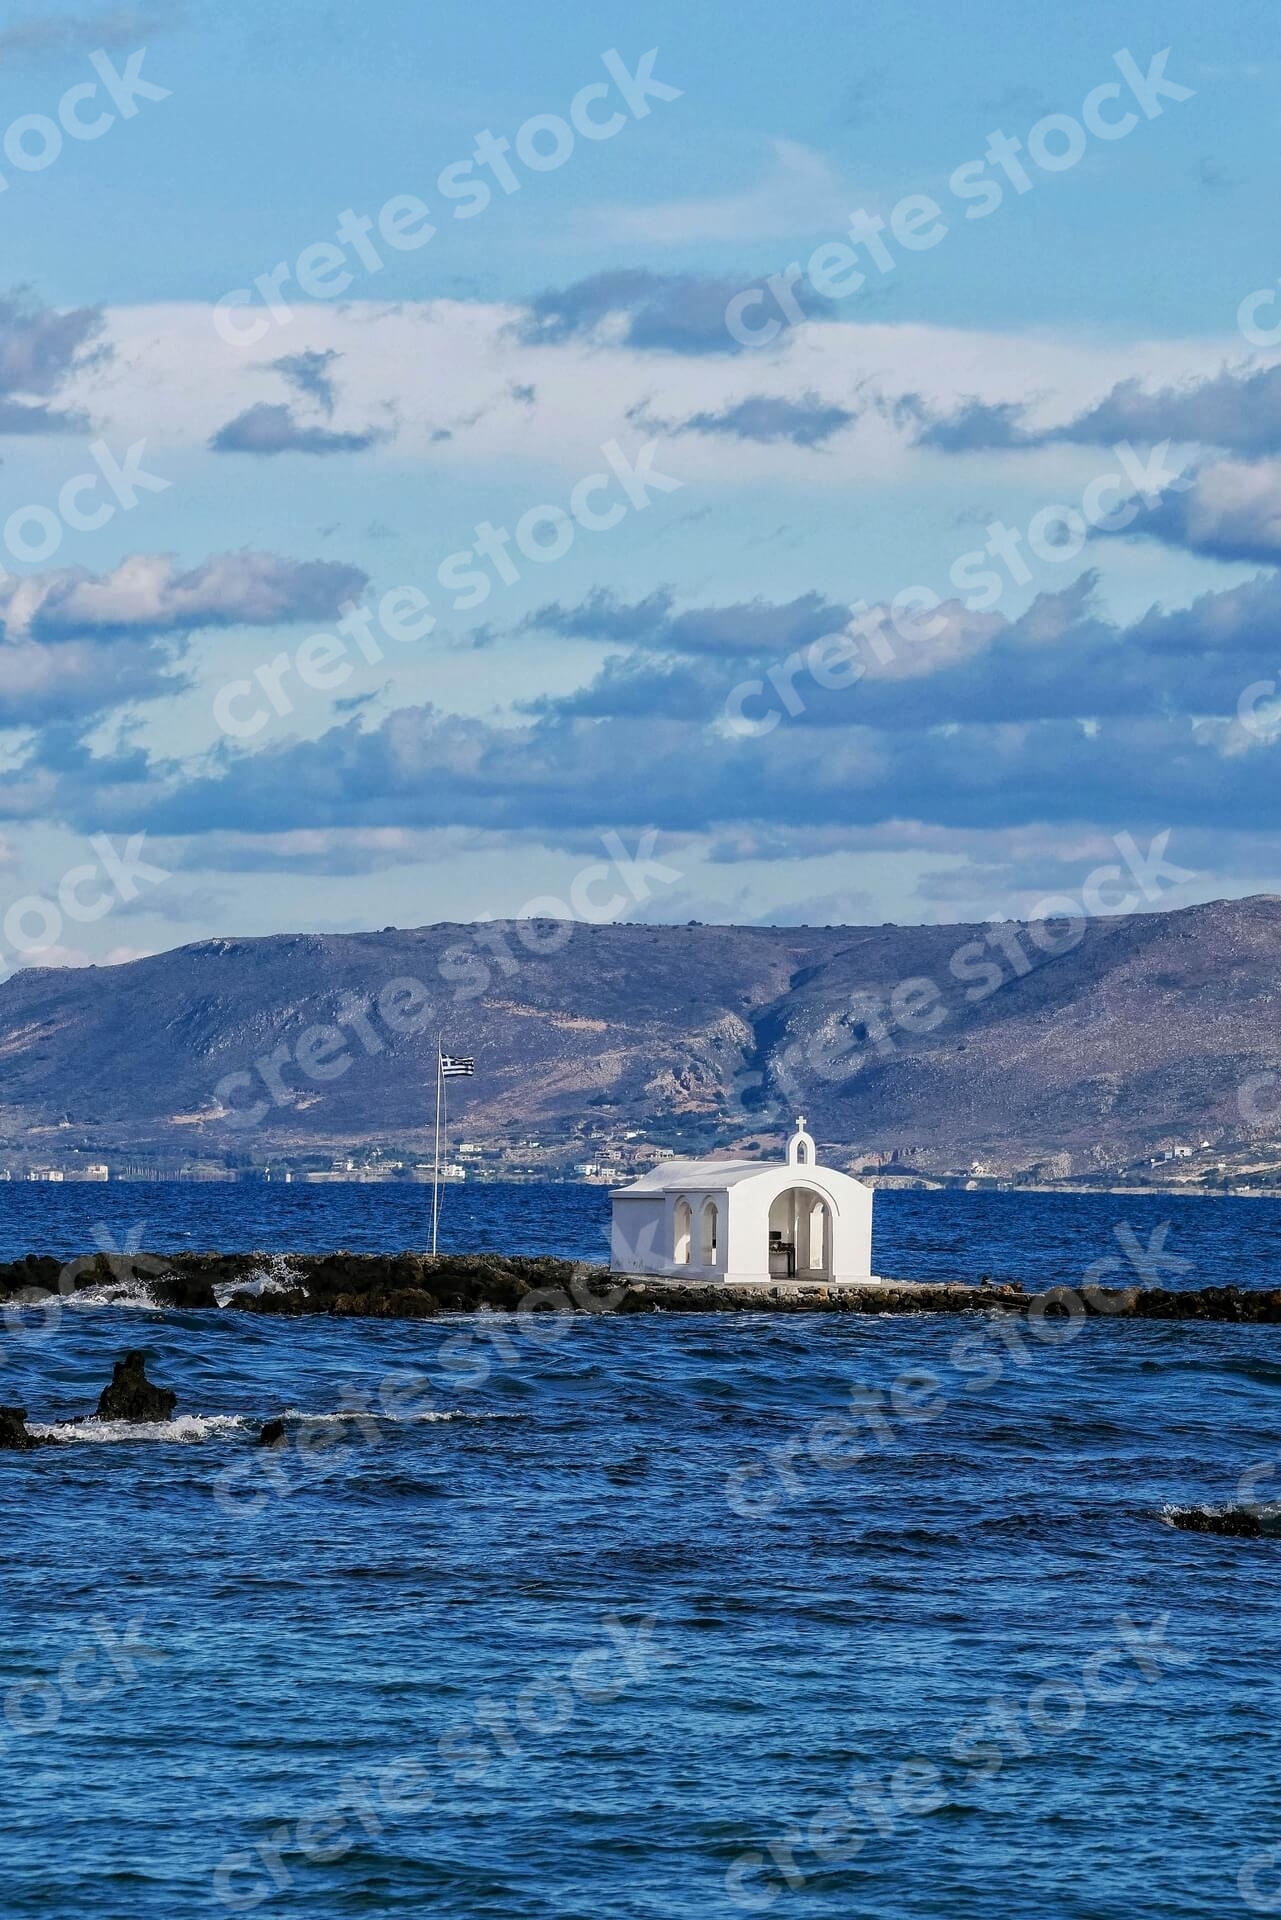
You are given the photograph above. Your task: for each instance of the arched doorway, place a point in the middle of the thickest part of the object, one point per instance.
(709, 1234)
(682, 1233)
(800, 1235)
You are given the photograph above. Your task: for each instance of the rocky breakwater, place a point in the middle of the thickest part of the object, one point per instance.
(1242, 1305)
(417, 1286)
(37, 1279)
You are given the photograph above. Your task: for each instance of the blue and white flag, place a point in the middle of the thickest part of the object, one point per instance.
(449, 1066)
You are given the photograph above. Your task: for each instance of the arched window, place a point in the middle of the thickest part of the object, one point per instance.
(708, 1223)
(802, 1153)
(683, 1234)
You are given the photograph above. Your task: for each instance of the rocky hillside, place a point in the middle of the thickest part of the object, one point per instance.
(945, 1045)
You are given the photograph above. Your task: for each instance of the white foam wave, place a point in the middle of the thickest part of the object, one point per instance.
(275, 1276)
(185, 1430)
(189, 1429)
(120, 1293)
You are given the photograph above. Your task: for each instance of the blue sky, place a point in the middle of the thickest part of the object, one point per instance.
(1114, 680)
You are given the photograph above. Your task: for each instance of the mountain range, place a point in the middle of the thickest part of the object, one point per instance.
(1071, 1048)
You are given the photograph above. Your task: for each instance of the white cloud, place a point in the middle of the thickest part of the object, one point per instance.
(147, 593)
(461, 370)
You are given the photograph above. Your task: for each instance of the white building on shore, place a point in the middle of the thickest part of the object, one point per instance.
(745, 1222)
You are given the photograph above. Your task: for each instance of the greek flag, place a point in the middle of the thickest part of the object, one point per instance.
(449, 1066)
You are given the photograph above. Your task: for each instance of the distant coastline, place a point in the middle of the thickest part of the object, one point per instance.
(1249, 1188)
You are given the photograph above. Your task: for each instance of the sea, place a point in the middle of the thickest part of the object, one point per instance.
(595, 1617)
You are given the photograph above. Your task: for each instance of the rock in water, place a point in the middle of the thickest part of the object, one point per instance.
(131, 1395)
(273, 1434)
(1234, 1523)
(13, 1430)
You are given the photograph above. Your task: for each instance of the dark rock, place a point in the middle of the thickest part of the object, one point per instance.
(1236, 1523)
(416, 1286)
(13, 1431)
(295, 1301)
(131, 1396)
(35, 1273)
(182, 1290)
(273, 1434)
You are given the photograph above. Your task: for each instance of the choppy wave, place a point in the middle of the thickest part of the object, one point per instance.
(188, 1429)
(184, 1430)
(274, 1276)
(115, 1293)
(303, 1419)
(136, 1294)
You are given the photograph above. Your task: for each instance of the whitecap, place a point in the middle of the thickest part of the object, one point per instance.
(274, 1276)
(119, 1293)
(185, 1430)
(188, 1429)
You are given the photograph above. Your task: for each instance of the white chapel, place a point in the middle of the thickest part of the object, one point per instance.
(745, 1221)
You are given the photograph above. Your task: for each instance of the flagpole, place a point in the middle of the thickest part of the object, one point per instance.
(435, 1183)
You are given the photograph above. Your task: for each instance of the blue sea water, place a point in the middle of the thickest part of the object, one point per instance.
(1039, 1239)
(603, 1619)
